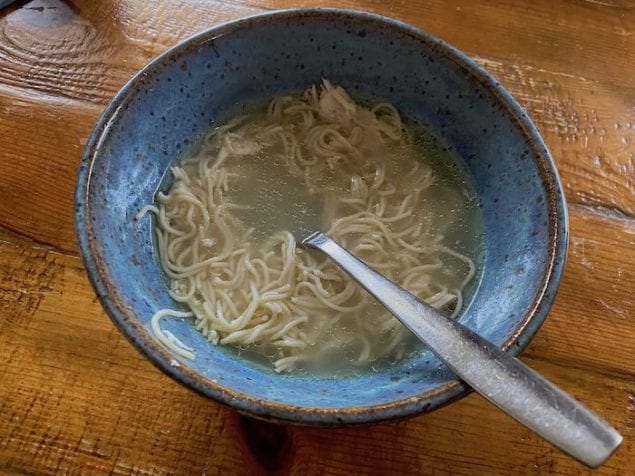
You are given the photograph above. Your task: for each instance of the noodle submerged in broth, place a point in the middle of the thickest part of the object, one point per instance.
(226, 230)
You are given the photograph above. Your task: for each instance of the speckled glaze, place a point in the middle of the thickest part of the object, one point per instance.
(180, 93)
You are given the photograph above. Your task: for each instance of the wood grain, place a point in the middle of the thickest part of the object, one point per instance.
(589, 129)
(589, 125)
(76, 398)
(74, 393)
(595, 297)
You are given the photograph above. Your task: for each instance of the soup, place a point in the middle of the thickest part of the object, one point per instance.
(250, 190)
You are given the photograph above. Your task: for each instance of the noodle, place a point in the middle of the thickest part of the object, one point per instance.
(292, 303)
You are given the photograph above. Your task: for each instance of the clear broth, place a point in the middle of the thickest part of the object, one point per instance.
(275, 200)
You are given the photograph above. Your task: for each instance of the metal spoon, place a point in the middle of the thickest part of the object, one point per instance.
(502, 379)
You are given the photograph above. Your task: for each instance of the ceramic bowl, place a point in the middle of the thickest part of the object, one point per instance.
(180, 93)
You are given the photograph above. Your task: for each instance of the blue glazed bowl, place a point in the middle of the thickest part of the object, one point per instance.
(180, 93)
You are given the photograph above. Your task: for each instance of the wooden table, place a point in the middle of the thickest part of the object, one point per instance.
(75, 397)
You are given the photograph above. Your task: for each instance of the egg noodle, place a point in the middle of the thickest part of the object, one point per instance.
(294, 304)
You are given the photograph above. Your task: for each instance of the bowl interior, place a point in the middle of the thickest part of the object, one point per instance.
(178, 95)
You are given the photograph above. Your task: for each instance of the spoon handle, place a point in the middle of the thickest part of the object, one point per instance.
(502, 379)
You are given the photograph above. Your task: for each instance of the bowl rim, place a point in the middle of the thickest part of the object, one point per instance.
(126, 320)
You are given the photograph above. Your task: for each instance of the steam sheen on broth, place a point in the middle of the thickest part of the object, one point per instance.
(227, 227)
